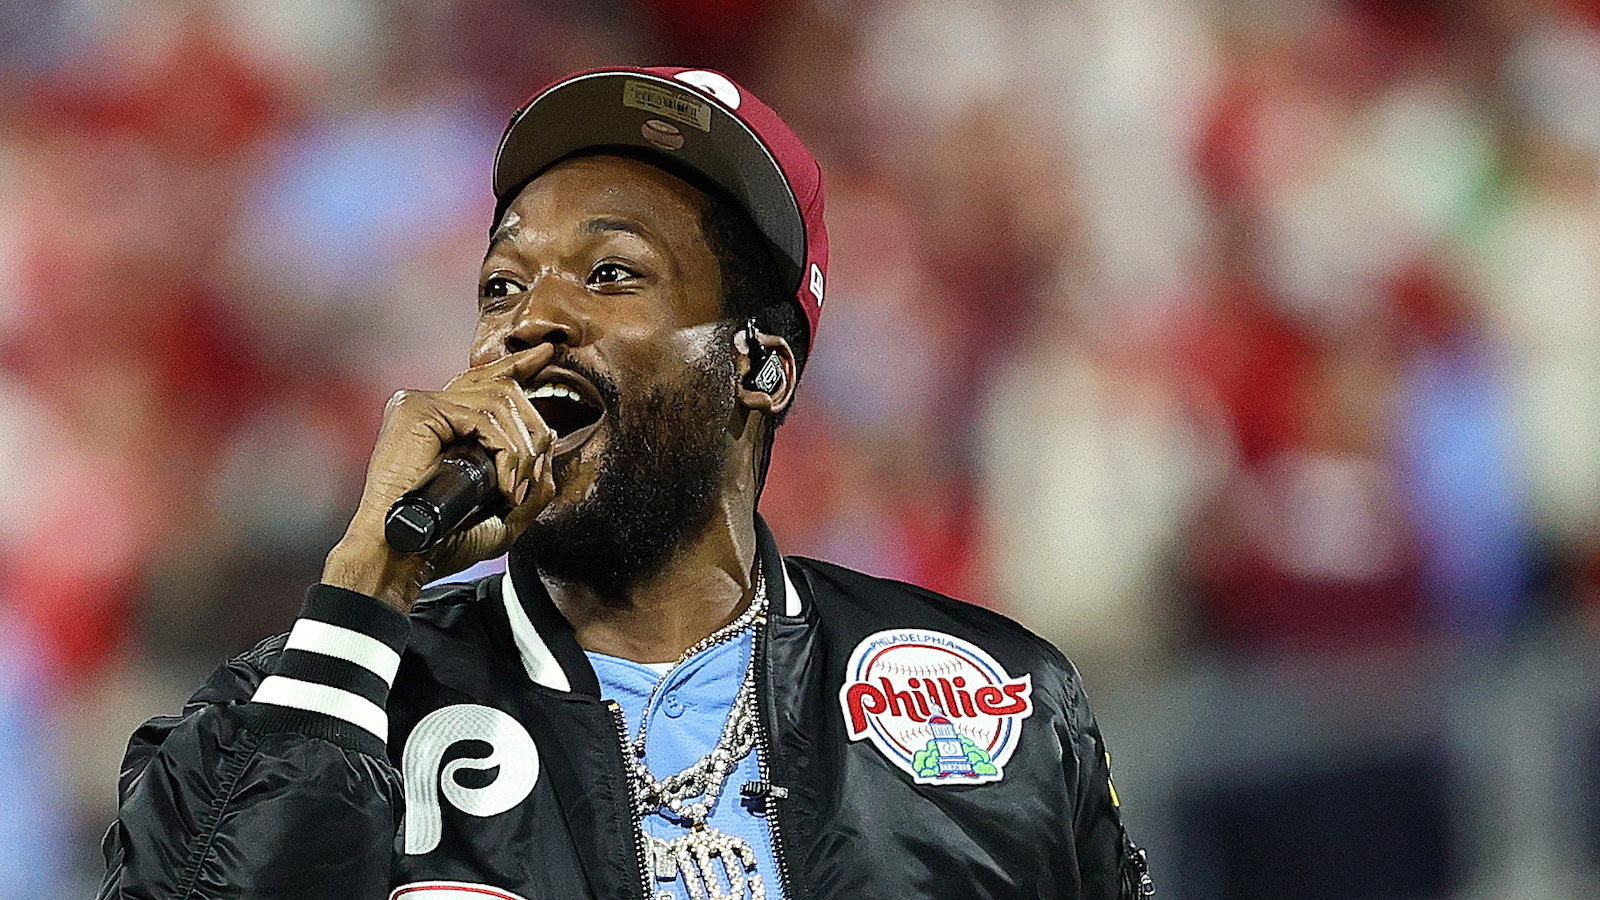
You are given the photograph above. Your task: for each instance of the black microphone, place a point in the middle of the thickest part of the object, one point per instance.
(460, 485)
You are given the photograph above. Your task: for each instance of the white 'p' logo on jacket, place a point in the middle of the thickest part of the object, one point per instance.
(427, 777)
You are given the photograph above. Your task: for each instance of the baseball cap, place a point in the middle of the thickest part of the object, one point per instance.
(696, 118)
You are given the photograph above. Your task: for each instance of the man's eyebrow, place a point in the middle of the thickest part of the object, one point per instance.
(507, 230)
(603, 224)
(598, 225)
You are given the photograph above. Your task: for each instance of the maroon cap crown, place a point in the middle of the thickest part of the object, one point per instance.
(700, 119)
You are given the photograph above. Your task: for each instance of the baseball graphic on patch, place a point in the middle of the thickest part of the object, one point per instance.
(937, 706)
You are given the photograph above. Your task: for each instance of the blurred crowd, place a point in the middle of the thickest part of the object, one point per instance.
(1173, 328)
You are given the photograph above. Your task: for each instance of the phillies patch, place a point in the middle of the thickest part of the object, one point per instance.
(937, 706)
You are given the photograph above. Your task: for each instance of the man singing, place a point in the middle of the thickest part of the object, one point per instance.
(651, 702)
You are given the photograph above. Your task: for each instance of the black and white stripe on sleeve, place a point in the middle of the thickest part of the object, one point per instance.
(340, 660)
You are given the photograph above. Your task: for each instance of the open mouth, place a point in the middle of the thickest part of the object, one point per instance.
(569, 405)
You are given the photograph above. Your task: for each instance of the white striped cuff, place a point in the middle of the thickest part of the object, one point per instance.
(281, 690)
(346, 644)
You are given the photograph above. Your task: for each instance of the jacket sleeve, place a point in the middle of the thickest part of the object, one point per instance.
(275, 782)
(1110, 866)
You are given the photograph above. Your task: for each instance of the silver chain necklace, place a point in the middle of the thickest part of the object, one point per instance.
(712, 864)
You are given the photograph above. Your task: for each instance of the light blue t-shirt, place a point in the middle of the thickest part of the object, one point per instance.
(685, 723)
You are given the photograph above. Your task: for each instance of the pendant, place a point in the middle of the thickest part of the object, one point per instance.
(714, 865)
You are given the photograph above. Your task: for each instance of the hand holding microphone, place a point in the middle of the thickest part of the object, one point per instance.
(456, 476)
(460, 486)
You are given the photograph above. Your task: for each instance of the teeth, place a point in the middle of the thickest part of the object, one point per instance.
(552, 389)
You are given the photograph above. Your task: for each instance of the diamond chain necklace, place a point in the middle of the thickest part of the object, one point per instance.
(713, 864)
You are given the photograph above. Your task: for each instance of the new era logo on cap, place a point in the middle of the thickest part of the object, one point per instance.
(713, 83)
(732, 139)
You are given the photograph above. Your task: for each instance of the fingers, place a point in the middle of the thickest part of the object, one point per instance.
(537, 493)
(502, 421)
(485, 404)
(521, 409)
(531, 490)
(496, 386)
(418, 425)
(517, 366)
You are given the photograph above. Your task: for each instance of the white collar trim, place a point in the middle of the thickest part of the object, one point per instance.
(541, 664)
(791, 597)
(536, 656)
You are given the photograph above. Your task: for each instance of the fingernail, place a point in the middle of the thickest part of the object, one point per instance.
(522, 491)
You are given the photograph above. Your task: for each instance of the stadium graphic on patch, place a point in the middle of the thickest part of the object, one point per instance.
(937, 706)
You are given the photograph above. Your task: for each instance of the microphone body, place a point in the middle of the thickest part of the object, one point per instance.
(461, 485)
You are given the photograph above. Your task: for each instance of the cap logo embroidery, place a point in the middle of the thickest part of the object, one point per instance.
(937, 706)
(816, 282)
(662, 135)
(713, 84)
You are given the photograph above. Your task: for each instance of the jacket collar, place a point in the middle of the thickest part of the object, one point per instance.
(793, 606)
(545, 641)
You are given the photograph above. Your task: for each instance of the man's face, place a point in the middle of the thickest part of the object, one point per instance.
(604, 257)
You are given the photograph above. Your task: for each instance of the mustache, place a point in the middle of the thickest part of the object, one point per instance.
(604, 384)
(717, 362)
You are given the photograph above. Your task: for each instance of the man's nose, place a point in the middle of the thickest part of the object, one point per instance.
(544, 318)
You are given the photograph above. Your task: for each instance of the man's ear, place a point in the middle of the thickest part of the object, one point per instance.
(766, 371)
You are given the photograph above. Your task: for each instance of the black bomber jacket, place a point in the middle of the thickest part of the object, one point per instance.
(915, 747)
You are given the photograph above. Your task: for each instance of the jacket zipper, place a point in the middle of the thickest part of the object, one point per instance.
(770, 793)
(645, 880)
(1136, 881)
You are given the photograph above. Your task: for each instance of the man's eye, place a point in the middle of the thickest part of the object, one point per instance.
(498, 286)
(610, 273)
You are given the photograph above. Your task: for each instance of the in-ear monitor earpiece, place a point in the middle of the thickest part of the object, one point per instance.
(770, 376)
(766, 366)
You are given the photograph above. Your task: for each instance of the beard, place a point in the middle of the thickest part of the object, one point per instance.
(663, 461)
